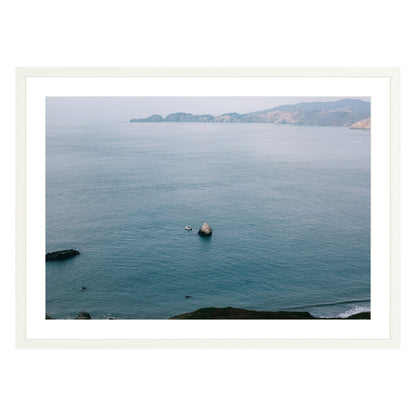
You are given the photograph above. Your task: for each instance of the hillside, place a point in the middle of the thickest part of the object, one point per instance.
(346, 113)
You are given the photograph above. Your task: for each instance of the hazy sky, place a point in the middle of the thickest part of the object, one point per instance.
(125, 108)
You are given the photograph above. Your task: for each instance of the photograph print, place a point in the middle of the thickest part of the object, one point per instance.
(208, 208)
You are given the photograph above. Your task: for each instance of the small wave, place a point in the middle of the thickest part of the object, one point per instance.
(317, 305)
(354, 311)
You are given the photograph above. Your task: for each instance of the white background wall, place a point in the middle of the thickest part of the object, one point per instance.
(214, 33)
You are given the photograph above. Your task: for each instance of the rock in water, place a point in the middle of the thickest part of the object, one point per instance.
(61, 255)
(83, 315)
(205, 230)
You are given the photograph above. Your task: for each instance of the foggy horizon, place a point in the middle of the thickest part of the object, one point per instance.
(125, 108)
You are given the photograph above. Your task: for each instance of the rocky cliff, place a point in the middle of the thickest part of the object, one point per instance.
(363, 124)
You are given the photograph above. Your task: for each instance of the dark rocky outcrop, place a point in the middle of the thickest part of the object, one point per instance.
(83, 315)
(47, 317)
(236, 313)
(61, 255)
(205, 230)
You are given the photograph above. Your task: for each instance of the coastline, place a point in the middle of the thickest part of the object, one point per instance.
(237, 313)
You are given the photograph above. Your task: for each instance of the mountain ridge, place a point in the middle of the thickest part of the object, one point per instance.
(344, 112)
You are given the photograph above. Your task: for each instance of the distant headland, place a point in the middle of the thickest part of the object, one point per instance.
(353, 113)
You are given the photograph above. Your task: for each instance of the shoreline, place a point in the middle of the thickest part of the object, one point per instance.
(237, 313)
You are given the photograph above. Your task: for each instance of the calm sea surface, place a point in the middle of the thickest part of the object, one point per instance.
(289, 208)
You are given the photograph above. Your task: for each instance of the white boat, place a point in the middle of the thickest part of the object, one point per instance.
(188, 228)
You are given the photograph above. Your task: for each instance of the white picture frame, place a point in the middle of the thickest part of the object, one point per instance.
(34, 84)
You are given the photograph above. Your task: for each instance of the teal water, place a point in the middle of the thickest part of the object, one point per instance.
(289, 207)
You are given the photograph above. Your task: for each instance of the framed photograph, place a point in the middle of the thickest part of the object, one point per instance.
(207, 208)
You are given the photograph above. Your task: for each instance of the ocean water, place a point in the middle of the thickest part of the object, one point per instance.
(289, 207)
